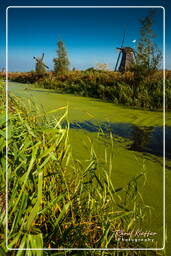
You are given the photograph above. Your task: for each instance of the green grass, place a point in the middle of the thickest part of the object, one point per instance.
(55, 201)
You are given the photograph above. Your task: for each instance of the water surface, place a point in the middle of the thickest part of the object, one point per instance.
(143, 139)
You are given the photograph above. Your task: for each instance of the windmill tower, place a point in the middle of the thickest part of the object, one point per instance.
(40, 66)
(125, 58)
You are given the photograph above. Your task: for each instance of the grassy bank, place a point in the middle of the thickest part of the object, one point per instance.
(129, 88)
(55, 202)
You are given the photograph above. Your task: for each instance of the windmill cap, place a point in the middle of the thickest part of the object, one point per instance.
(126, 49)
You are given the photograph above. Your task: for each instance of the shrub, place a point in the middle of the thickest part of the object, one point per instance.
(129, 88)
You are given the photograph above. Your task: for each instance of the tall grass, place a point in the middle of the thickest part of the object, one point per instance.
(55, 202)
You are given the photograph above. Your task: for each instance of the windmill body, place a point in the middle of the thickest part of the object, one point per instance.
(40, 66)
(127, 58)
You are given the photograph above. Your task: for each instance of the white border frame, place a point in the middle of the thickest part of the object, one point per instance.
(164, 107)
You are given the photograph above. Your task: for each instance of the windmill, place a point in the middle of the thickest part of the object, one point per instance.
(126, 57)
(40, 66)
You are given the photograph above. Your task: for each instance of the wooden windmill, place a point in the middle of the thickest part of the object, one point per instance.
(40, 66)
(125, 58)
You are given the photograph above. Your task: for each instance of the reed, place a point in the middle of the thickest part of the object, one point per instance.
(55, 202)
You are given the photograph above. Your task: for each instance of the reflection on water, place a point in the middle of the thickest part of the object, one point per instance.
(144, 139)
(141, 137)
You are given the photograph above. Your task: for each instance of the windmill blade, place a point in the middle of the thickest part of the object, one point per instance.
(123, 39)
(35, 58)
(117, 60)
(45, 66)
(43, 56)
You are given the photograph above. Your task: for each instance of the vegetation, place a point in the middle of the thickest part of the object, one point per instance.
(148, 60)
(62, 62)
(106, 85)
(53, 201)
(148, 56)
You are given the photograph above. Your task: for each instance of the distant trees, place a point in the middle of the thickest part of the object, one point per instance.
(61, 63)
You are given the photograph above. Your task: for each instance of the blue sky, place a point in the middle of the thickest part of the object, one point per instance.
(90, 35)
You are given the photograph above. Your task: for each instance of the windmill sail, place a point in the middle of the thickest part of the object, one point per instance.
(123, 39)
(43, 56)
